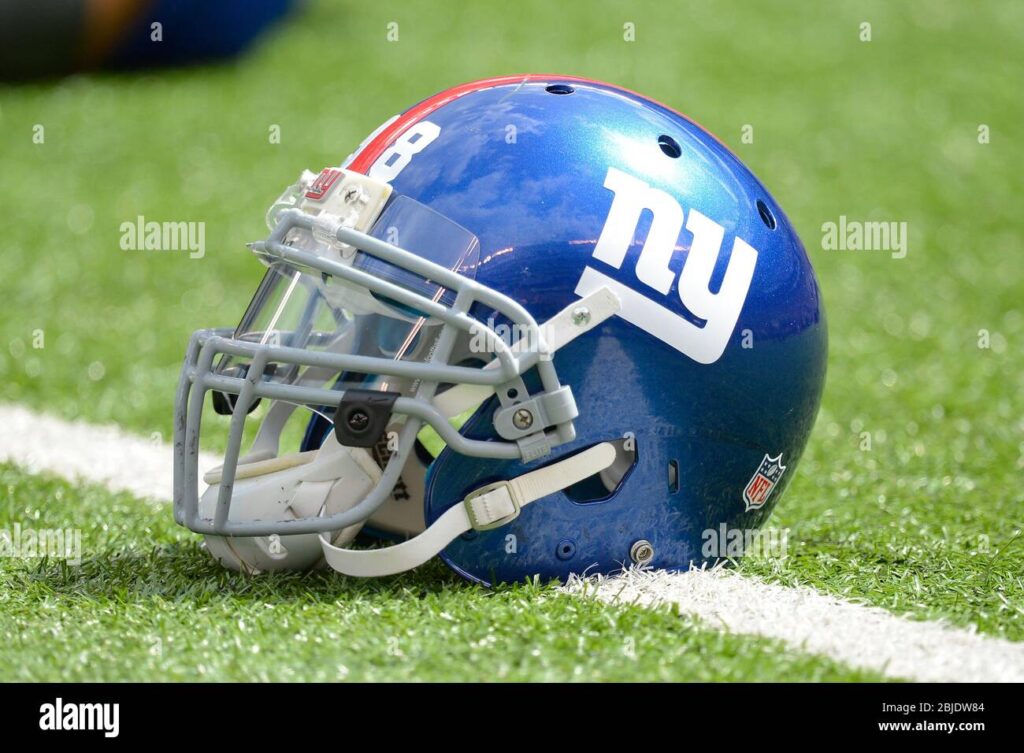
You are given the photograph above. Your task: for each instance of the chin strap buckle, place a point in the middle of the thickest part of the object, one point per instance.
(493, 505)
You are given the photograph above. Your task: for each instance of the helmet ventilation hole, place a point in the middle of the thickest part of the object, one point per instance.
(673, 476)
(559, 89)
(670, 146)
(766, 214)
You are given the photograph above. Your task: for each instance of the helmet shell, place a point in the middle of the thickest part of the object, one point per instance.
(522, 162)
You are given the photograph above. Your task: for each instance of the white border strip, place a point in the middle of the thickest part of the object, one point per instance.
(857, 635)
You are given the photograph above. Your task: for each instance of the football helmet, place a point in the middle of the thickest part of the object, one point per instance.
(535, 325)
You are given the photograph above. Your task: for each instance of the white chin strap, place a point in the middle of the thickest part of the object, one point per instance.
(488, 507)
(496, 504)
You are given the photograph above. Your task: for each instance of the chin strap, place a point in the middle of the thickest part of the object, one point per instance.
(490, 506)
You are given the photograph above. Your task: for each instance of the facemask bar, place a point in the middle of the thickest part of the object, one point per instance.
(198, 377)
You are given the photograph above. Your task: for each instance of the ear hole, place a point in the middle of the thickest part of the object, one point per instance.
(673, 476)
(603, 485)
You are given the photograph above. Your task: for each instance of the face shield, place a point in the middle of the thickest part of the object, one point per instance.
(299, 306)
(363, 319)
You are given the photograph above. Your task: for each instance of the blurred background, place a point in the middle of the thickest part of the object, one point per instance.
(203, 112)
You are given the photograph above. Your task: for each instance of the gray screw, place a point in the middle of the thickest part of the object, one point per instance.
(580, 316)
(522, 419)
(641, 552)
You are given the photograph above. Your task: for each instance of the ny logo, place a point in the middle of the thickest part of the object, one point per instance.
(720, 311)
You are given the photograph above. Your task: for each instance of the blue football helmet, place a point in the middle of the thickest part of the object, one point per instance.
(535, 325)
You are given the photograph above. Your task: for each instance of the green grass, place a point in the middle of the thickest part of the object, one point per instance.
(928, 521)
(147, 604)
(922, 546)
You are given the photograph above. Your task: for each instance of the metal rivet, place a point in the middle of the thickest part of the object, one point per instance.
(522, 419)
(641, 552)
(580, 316)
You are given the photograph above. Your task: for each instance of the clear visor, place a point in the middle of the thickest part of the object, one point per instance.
(305, 308)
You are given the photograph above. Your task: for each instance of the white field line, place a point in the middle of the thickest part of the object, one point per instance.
(859, 636)
(99, 454)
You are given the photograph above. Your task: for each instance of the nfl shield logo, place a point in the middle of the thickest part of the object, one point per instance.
(763, 481)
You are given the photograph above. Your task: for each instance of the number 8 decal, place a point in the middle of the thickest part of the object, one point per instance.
(398, 155)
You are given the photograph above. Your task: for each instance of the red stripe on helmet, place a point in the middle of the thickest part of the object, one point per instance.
(365, 159)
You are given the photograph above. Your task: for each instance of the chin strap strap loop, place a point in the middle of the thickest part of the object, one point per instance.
(488, 507)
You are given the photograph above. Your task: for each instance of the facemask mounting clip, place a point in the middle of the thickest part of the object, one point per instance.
(363, 416)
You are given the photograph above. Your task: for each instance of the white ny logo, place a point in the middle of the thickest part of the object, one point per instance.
(720, 310)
